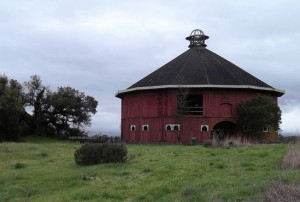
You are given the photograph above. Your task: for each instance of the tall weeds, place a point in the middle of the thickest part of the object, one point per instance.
(280, 191)
(228, 142)
(292, 157)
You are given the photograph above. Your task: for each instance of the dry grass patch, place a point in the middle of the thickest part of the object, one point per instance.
(236, 142)
(280, 191)
(292, 157)
(228, 142)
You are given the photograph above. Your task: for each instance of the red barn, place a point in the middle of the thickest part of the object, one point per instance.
(188, 98)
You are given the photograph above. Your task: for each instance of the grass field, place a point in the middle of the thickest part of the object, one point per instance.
(45, 170)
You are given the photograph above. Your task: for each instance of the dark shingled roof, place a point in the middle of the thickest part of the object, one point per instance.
(199, 67)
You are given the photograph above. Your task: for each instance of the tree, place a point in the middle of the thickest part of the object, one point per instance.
(68, 110)
(11, 108)
(182, 104)
(35, 96)
(258, 113)
(64, 112)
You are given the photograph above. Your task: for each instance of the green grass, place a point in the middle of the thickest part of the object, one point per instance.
(46, 171)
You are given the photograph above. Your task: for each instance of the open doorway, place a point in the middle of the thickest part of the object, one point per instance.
(223, 130)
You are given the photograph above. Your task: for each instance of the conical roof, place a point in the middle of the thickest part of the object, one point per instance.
(199, 67)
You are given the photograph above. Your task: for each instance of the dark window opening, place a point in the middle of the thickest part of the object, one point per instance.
(176, 127)
(266, 129)
(168, 127)
(190, 104)
(204, 128)
(132, 127)
(145, 127)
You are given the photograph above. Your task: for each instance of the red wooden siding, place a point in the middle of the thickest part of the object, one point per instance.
(159, 108)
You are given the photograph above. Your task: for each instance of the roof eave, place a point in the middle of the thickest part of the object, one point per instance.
(277, 91)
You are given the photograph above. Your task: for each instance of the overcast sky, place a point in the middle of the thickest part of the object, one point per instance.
(100, 47)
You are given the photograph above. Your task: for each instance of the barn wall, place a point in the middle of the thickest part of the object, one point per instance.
(159, 108)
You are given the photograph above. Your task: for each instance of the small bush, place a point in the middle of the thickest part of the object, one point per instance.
(95, 153)
(114, 153)
(88, 154)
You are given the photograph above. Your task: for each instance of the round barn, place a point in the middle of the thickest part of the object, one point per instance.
(190, 98)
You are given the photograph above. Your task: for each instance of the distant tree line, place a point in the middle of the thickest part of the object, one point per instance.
(32, 108)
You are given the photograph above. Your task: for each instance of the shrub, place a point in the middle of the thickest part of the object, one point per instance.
(95, 153)
(87, 154)
(114, 153)
(257, 113)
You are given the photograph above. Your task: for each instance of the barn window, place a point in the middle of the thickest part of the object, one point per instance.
(145, 127)
(204, 128)
(190, 104)
(176, 127)
(168, 127)
(266, 129)
(132, 128)
(173, 127)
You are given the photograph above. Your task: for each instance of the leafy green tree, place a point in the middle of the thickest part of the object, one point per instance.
(69, 109)
(258, 113)
(11, 108)
(63, 112)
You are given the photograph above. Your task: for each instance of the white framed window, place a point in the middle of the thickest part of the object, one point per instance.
(176, 127)
(172, 127)
(145, 127)
(266, 129)
(169, 127)
(132, 127)
(204, 128)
